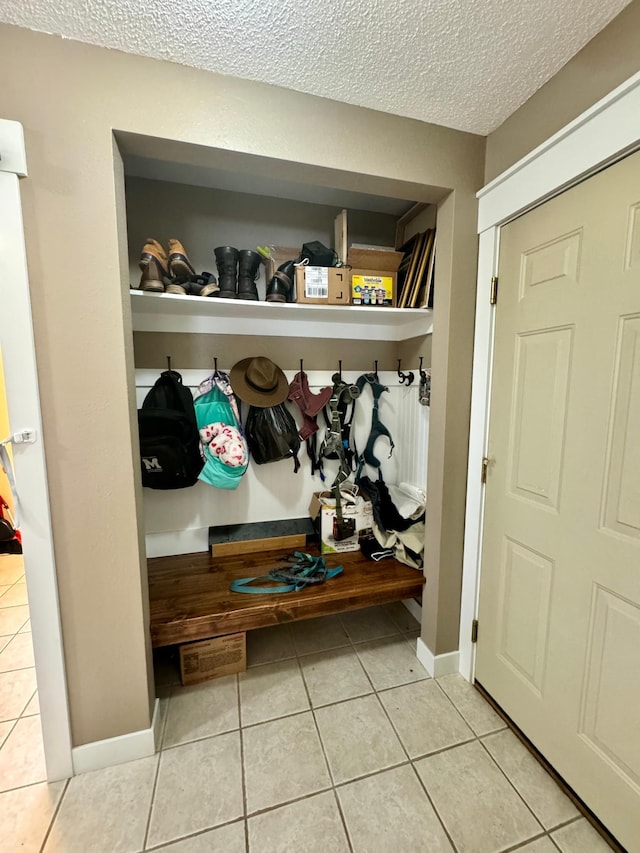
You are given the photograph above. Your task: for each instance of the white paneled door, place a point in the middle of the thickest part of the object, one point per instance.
(559, 614)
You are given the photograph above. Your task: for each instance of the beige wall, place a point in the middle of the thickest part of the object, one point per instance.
(69, 97)
(604, 63)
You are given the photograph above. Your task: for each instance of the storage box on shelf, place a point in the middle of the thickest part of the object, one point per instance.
(374, 276)
(322, 285)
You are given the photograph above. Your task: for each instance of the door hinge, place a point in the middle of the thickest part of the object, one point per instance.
(494, 290)
(474, 631)
(485, 468)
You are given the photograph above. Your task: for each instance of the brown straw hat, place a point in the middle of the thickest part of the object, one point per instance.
(259, 382)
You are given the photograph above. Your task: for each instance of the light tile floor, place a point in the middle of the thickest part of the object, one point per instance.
(335, 739)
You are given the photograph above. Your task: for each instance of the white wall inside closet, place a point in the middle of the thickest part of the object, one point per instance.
(177, 521)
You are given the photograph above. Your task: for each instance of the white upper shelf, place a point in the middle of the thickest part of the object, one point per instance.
(167, 312)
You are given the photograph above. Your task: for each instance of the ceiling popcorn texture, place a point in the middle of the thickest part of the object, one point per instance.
(465, 64)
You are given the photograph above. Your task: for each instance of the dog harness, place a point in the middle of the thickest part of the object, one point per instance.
(308, 403)
(336, 444)
(378, 429)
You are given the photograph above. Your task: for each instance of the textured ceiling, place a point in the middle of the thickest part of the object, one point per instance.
(466, 64)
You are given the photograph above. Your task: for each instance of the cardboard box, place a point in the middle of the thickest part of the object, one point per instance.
(374, 276)
(374, 287)
(323, 285)
(278, 255)
(323, 510)
(213, 658)
(382, 260)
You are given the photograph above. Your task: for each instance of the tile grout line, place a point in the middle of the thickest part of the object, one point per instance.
(15, 722)
(343, 819)
(243, 777)
(157, 773)
(28, 702)
(154, 788)
(325, 756)
(196, 834)
(565, 823)
(554, 842)
(55, 814)
(433, 806)
(416, 774)
(521, 796)
(522, 844)
(465, 720)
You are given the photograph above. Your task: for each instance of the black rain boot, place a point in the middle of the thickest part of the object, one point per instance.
(227, 263)
(280, 287)
(248, 268)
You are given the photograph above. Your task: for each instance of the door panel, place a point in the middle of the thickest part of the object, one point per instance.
(559, 614)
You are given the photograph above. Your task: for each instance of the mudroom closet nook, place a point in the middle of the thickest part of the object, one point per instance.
(214, 198)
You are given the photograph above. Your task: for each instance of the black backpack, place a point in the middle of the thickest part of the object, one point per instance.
(272, 435)
(170, 454)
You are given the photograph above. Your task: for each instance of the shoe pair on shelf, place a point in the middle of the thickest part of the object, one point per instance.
(172, 272)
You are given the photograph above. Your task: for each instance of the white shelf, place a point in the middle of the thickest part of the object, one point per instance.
(166, 312)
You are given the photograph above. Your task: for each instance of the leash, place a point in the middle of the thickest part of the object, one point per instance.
(303, 570)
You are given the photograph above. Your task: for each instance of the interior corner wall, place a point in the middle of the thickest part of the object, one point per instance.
(70, 98)
(605, 62)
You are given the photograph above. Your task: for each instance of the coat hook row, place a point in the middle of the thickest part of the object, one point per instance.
(405, 377)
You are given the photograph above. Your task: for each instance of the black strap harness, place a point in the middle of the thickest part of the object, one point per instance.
(378, 429)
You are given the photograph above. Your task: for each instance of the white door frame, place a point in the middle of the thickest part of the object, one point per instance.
(597, 138)
(23, 400)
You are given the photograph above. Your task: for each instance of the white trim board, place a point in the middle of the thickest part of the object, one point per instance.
(191, 540)
(13, 155)
(414, 608)
(117, 750)
(596, 139)
(437, 665)
(23, 401)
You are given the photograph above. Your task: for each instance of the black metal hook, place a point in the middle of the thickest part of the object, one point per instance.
(169, 363)
(405, 377)
(215, 365)
(301, 365)
(375, 369)
(423, 373)
(340, 369)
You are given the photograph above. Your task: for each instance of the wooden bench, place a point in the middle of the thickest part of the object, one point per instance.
(190, 598)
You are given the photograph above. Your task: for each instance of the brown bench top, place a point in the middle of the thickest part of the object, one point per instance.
(190, 597)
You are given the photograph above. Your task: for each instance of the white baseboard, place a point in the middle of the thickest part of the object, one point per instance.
(187, 541)
(118, 750)
(437, 665)
(414, 608)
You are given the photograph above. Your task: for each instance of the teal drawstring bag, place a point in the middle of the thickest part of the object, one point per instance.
(225, 450)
